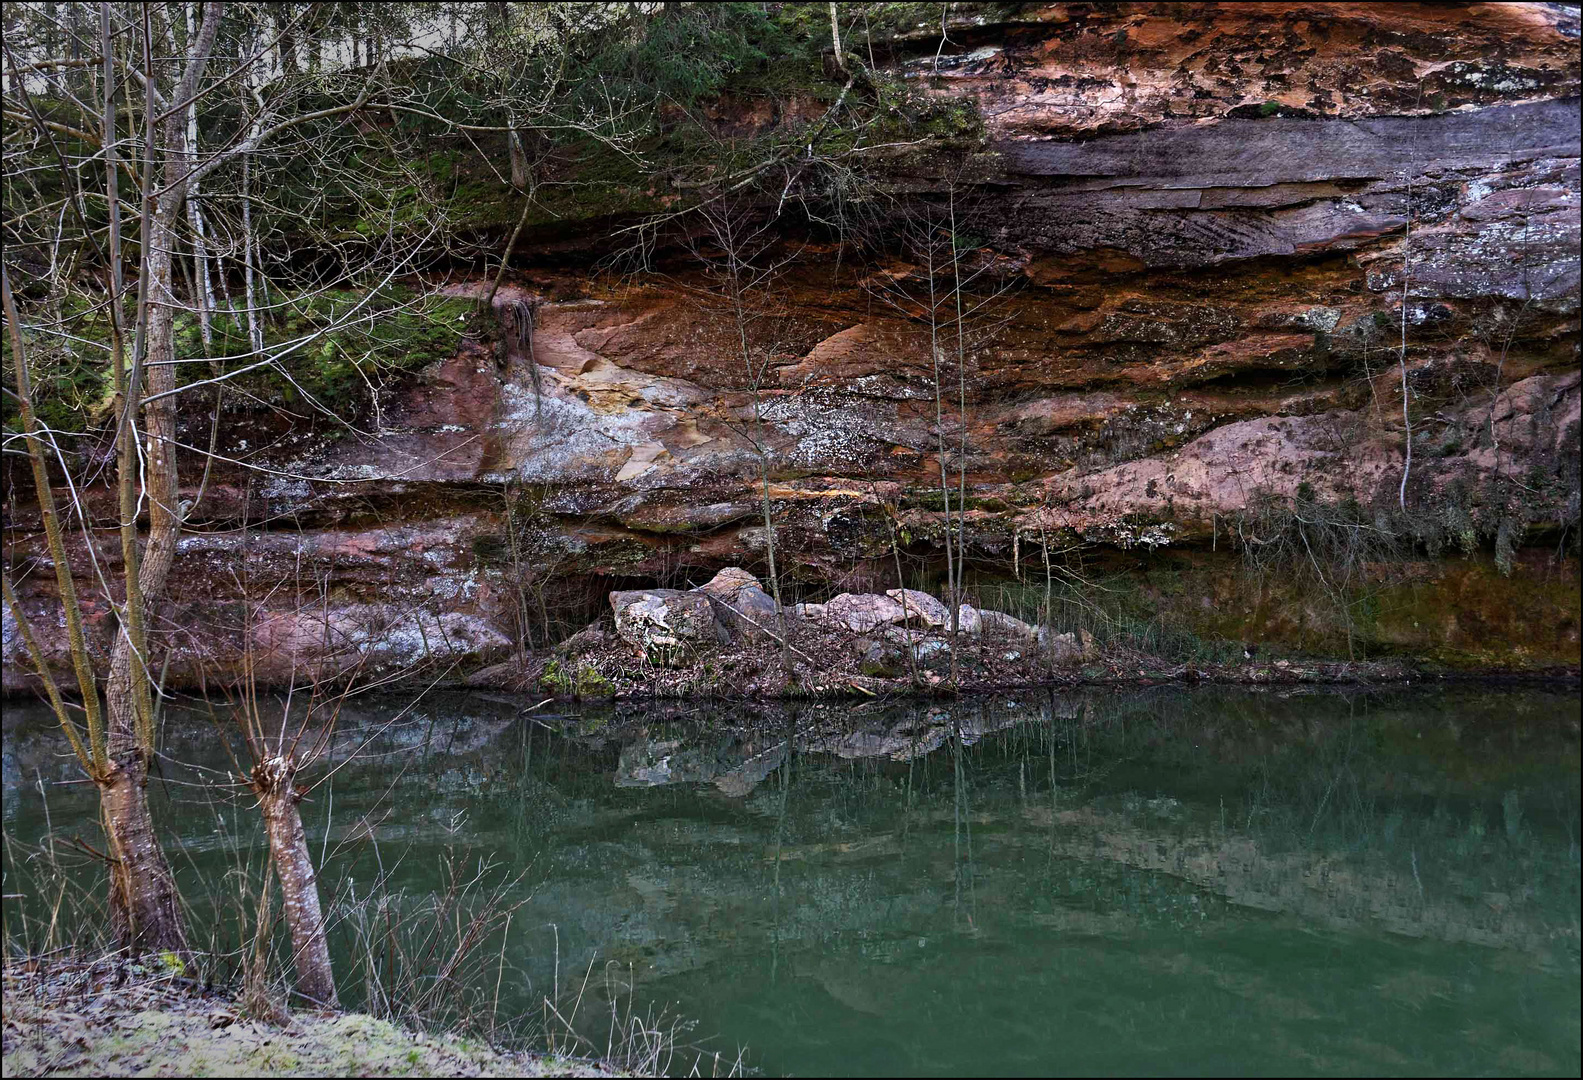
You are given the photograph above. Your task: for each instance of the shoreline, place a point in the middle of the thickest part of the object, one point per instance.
(1338, 674)
(114, 1017)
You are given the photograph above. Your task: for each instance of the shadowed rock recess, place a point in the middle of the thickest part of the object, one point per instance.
(1210, 228)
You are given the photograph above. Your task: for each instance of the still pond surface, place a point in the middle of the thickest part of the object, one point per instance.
(1193, 882)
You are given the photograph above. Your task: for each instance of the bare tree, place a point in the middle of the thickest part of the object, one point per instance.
(278, 758)
(738, 247)
(167, 86)
(173, 145)
(950, 296)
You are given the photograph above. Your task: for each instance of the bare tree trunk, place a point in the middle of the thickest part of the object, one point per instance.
(961, 383)
(835, 40)
(755, 378)
(901, 584)
(255, 332)
(288, 850)
(519, 155)
(945, 481)
(1401, 357)
(769, 534)
(204, 286)
(144, 909)
(1049, 590)
(143, 894)
(148, 917)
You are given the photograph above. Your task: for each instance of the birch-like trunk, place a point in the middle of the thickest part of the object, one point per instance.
(288, 851)
(143, 903)
(255, 331)
(200, 253)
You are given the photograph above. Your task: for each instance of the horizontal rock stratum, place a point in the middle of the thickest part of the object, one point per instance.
(1194, 221)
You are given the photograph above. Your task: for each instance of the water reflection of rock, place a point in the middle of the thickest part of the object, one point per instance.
(735, 765)
(1190, 869)
(737, 762)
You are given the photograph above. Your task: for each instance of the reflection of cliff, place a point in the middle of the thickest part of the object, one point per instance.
(1330, 889)
(1119, 853)
(943, 906)
(1121, 876)
(1133, 859)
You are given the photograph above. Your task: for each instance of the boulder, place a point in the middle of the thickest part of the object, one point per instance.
(622, 597)
(740, 602)
(998, 622)
(728, 582)
(921, 607)
(1064, 648)
(592, 636)
(863, 612)
(968, 620)
(667, 627)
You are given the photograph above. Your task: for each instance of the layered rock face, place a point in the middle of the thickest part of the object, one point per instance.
(1204, 237)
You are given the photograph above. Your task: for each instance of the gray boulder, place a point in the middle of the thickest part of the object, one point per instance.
(998, 622)
(862, 612)
(741, 605)
(667, 627)
(921, 607)
(1064, 648)
(968, 620)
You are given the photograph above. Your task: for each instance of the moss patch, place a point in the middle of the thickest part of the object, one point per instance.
(578, 680)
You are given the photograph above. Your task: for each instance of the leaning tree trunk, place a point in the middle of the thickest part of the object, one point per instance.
(288, 849)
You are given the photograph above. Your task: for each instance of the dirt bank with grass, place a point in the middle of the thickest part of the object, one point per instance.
(113, 1019)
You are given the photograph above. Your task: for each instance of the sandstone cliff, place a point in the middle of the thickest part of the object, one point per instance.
(1206, 227)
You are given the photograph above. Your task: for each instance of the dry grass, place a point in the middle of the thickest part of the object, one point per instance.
(113, 1018)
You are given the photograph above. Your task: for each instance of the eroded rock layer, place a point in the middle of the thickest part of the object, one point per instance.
(1214, 242)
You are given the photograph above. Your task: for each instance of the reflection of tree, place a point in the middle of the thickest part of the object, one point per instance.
(780, 832)
(962, 832)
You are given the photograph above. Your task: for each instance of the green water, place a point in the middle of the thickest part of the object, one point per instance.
(1212, 882)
